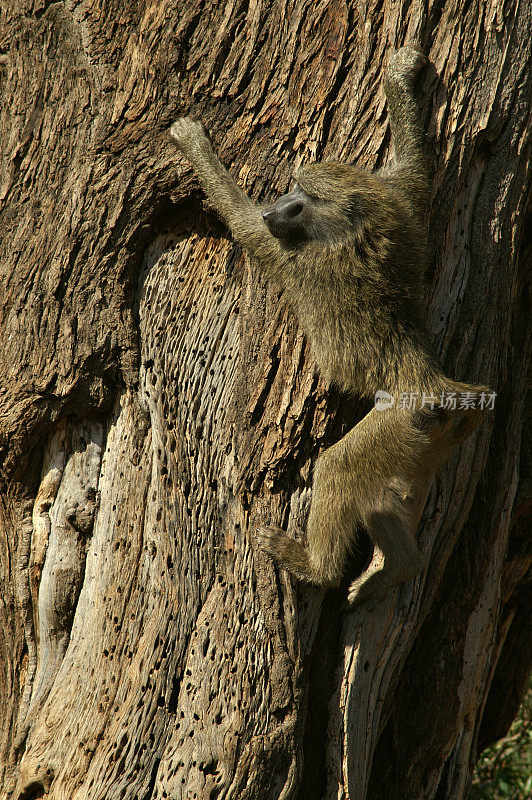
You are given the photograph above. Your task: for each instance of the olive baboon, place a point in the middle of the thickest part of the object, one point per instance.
(348, 248)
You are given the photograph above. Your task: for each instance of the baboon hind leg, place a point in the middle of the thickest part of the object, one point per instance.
(393, 463)
(391, 529)
(365, 479)
(331, 525)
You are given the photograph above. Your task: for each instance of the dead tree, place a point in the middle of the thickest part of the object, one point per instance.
(158, 402)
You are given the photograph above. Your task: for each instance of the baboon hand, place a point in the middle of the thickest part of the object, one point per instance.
(269, 538)
(187, 132)
(405, 64)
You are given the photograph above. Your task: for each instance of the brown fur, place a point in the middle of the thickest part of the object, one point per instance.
(349, 250)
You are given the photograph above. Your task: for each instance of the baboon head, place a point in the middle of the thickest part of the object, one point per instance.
(324, 204)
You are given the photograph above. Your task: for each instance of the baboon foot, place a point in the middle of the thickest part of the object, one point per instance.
(374, 588)
(368, 590)
(287, 552)
(272, 540)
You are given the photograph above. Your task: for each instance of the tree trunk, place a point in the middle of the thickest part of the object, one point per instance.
(158, 402)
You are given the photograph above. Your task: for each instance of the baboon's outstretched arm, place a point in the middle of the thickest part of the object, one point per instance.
(410, 175)
(241, 215)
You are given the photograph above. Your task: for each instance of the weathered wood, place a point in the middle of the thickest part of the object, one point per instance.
(157, 402)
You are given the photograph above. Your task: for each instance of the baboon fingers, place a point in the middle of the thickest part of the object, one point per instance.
(270, 539)
(406, 62)
(185, 130)
(369, 590)
(372, 589)
(293, 555)
(287, 552)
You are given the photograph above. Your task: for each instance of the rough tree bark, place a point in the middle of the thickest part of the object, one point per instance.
(158, 402)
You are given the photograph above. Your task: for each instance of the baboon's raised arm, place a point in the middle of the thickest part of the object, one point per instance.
(241, 215)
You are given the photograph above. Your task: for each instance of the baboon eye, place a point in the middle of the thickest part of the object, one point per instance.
(294, 209)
